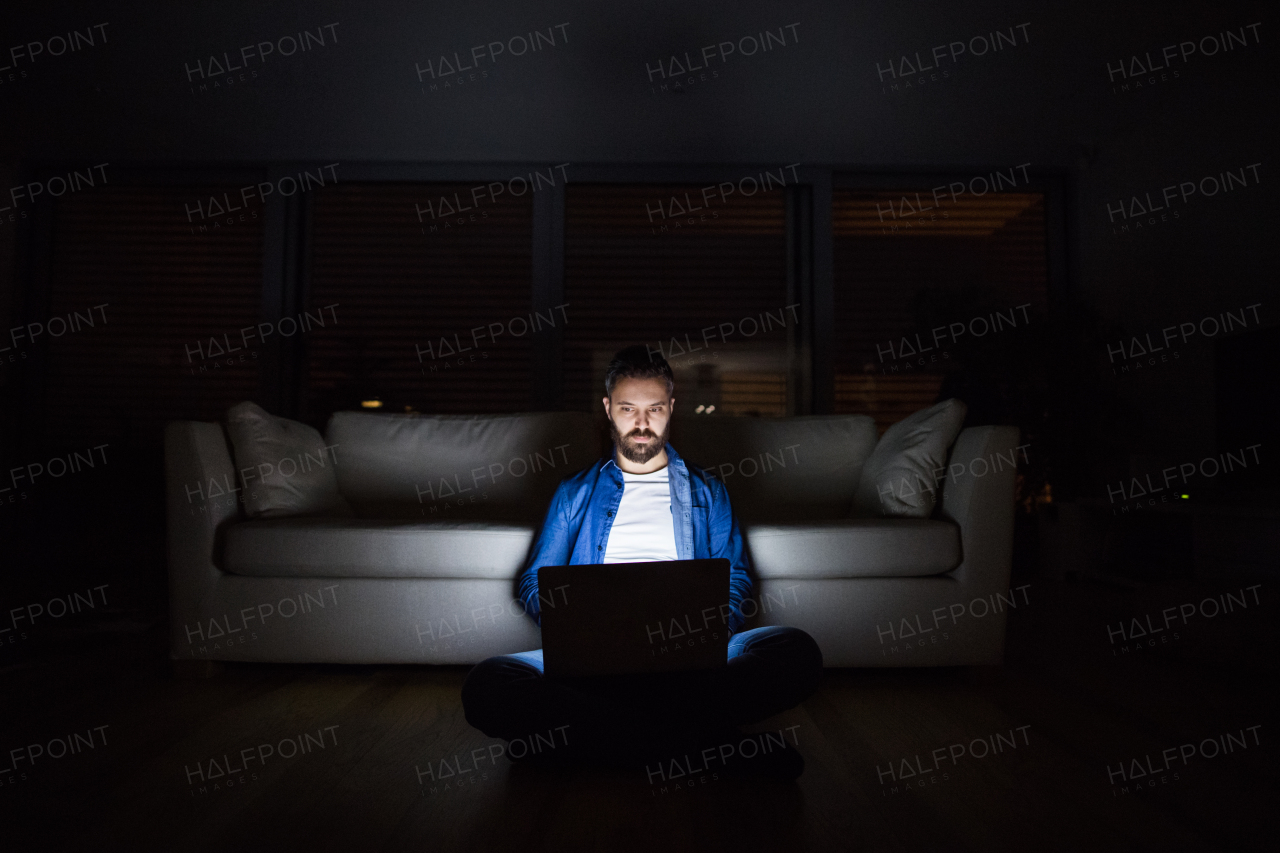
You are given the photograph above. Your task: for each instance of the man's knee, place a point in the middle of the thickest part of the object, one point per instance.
(804, 655)
(782, 642)
(485, 684)
(794, 654)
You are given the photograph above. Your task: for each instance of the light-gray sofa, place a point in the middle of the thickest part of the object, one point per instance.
(446, 508)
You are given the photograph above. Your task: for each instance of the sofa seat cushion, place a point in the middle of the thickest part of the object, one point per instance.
(855, 548)
(367, 548)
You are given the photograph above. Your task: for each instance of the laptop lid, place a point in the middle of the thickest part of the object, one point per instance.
(612, 618)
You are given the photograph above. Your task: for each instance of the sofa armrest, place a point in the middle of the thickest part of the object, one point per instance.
(201, 499)
(977, 494)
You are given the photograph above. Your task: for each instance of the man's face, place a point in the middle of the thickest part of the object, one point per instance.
(639, 417)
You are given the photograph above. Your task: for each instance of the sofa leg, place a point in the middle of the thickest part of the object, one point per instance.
(186, 670)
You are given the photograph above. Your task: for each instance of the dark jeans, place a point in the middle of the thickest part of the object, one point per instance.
(769, 670)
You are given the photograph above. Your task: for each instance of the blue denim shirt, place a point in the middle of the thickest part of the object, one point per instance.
(576, 528)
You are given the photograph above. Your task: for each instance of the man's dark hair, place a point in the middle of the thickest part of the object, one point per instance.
(638, 362)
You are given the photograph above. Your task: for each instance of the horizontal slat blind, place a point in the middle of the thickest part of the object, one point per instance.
(636, 274)
(901, 272)
(169, 287)
(406, 273)
(888, 399)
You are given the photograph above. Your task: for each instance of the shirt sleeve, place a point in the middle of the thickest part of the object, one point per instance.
(551, 548)
(727, 542)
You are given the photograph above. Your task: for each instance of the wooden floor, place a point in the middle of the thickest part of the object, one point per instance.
(1085, 708)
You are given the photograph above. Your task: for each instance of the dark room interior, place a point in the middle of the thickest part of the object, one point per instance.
(942, 331)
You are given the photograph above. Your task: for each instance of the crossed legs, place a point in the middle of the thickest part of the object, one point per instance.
(769, 670)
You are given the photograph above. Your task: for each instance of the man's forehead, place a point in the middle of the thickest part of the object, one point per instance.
(640, 392)
(658, 401)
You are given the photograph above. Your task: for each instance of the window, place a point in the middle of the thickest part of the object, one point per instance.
(922, 295)
(706, 289)
(432, 306)
(145, 313)
(425, 301)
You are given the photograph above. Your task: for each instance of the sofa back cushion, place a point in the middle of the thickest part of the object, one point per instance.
(439, 467)
(781, 469)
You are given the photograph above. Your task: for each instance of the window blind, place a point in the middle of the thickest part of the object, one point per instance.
(146, 304)
(432, 302)
(975, 265)
(703, 282)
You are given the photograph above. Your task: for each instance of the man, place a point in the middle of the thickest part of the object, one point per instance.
(643, 503)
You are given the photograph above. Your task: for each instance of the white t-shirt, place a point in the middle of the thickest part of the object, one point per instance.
(643, 529)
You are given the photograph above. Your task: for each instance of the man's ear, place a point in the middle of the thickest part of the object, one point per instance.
(606, 408)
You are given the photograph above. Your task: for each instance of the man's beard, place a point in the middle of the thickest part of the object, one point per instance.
(636, 452)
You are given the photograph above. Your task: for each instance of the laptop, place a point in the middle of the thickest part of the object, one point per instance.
(623, 618)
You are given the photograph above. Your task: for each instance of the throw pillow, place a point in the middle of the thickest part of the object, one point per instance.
(900, 479)
(284, 467)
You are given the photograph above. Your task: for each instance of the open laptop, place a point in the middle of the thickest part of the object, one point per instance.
(613, 618)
